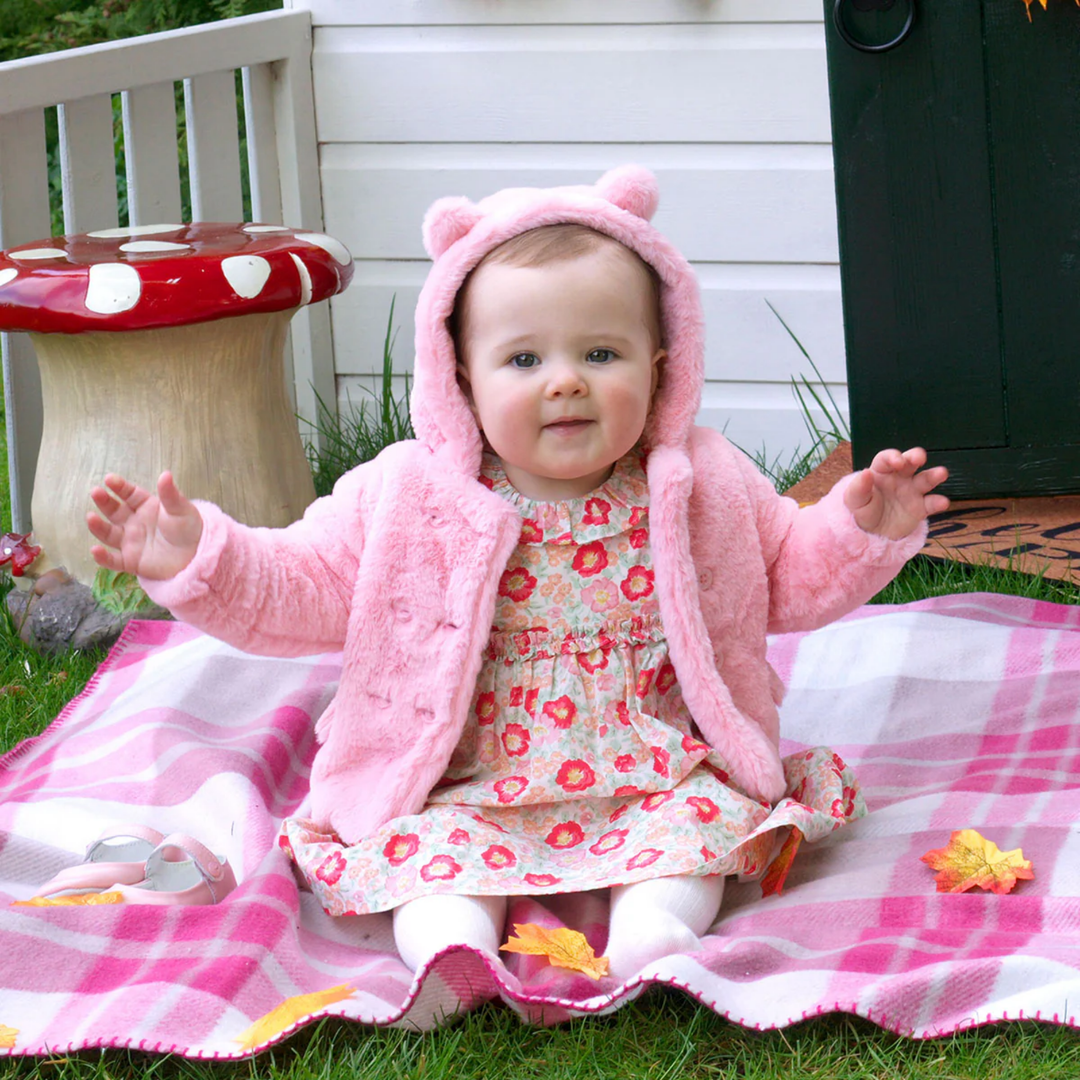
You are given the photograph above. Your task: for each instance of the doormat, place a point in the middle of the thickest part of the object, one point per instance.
(1034, 536)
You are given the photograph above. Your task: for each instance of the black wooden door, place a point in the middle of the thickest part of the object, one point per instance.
(957, 158)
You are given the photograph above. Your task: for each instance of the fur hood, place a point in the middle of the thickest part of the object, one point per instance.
(458, 233)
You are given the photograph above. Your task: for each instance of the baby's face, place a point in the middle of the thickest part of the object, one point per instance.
(559, 365)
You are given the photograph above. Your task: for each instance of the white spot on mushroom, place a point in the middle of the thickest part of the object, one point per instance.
(328, 244)
(305, 279)
(247, 274)
(112, 287)
(38, 253)
(142, 247)
(136, 230)
(265, 228)
(8, 274)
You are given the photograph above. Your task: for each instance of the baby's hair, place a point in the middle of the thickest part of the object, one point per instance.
(552, 244)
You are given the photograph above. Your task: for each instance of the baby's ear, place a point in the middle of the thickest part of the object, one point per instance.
(631, 188)
(447, 221)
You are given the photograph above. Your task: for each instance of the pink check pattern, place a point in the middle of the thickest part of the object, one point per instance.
(955, 712)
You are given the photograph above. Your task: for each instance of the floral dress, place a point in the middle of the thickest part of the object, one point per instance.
(580, 766)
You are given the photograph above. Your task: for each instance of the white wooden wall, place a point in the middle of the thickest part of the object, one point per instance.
(726, 100)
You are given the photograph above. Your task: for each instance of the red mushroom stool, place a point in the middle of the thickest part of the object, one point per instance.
(161, 347)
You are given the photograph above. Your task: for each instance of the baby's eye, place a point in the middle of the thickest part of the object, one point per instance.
(601, 356)
(524, 360)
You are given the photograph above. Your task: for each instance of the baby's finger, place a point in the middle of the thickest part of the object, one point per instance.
(104, 530)
(860, 491)
(930, 478)
(915, 457)
(936, 504)
(103, 556)
(173, 500)
(887, 461)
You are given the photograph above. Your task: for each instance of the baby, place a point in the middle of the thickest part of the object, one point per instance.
(553, 603)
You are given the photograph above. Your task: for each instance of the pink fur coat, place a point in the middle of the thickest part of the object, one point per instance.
(399, 566)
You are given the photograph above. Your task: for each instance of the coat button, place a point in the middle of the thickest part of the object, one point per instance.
(704, 578)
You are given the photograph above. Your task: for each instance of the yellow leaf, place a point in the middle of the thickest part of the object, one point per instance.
(969, 860)
(564, 948)
(7, 1037)
(283, 1016)
(80, 900)
(777, 873)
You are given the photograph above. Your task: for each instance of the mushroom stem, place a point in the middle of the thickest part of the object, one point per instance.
(207, 401)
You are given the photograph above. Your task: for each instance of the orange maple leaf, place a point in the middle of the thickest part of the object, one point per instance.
(564, 948)
(969, 861)
(776, 874)
(78, 900)
(8, 1035)
(1028, 3)
(283, 1016)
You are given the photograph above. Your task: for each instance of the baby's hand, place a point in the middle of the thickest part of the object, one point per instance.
(892, 496)
(152, 535)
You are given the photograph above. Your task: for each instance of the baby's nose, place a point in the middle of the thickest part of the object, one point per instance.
(565, 379)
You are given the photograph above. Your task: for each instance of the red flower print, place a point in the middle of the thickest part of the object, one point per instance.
(644, 681)
(285, 845)
(639, 538)
(590, 559)
(660, 760)
(575, 775)
(665, 678)
(400, 848)
(645, 857)
(487, 482)
(486, 709)
(720, 775)
(568, 834)
(517, 694)
(458, 837)
(625, 763)
(637, 515)
(542, 881)
(531, 533)
(656, 800)
(693, 746)
(330, 869)
(638, 583)
(441, 868)
(564, 539)
(517, 583)
(837, 809)
(561, 712)
(626, 789)
(510, 787)
(530, 701)
(706, 854)
(484, 821)
(706, 809)
(616, 814)
(610, 841)
(594, 661)
(597, 512)
(515, 740)
(622, 713)
(498, 857)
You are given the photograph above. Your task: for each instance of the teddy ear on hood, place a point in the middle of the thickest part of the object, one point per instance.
(632, 188)
(447, 221)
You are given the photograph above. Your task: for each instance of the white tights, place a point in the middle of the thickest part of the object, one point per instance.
(649, 919)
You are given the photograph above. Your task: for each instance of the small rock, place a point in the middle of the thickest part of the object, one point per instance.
(60, 613)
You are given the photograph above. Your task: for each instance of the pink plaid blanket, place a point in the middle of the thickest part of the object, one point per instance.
(957, 712)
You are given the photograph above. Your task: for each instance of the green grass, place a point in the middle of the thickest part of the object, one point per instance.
(664, 1035)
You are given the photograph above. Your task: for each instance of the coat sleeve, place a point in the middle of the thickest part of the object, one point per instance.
(276, 592)
(819, 562)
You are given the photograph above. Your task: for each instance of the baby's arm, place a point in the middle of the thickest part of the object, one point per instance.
(282, 592)
(820, 561)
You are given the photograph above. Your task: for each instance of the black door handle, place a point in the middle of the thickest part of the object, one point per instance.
(871, 5)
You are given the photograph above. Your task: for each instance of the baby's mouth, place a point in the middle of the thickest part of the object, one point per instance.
(567, 425)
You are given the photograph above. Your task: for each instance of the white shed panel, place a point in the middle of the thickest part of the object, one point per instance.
(726, 100)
